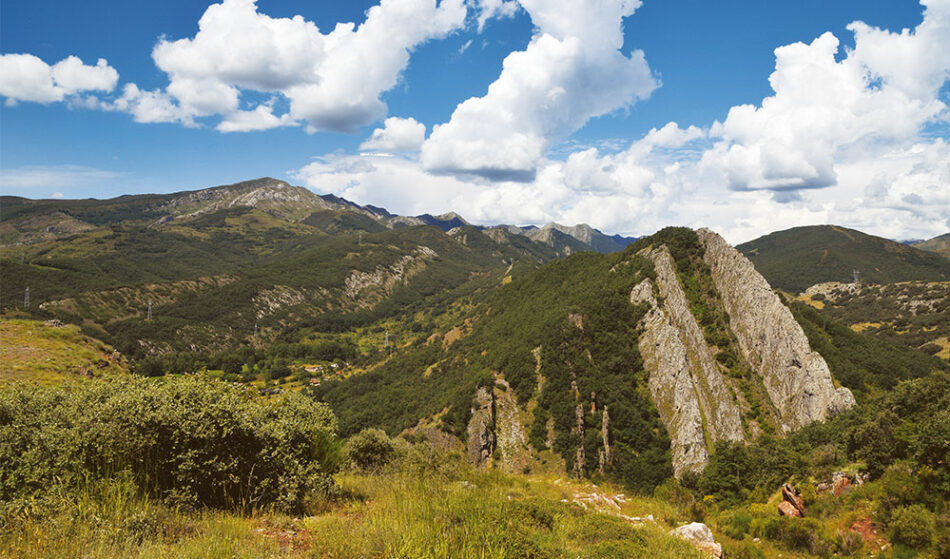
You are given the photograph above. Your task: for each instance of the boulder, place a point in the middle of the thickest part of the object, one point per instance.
(791, 497)
(701, 537)
(787, 509)
(840, 484)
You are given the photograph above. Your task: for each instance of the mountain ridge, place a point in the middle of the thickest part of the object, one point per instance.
(273, 196)
(797, 258)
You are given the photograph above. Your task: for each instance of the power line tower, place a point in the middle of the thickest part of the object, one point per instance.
(149, 317)
(361, 238)
(857, 277)
(255, 329)
(26, 298)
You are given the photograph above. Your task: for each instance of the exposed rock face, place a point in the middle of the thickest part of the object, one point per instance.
(671, 384)
(496, 428)
(509, 430)
(606, 455)
(386, 277)
(700, 536)
(690, 393)
(796, 378)
(481, 428)
(580, 461)
(723, 419)
(792, 504)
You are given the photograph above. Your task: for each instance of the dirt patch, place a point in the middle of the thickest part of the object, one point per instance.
(869, 532)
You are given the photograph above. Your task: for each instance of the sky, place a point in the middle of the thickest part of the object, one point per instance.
(743, 116)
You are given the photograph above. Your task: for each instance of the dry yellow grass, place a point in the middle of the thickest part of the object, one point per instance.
(43, 353)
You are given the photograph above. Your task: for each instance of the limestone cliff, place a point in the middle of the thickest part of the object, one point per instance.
(671, 384)
(495, 429)
(797, 379)
(723, 418)
(691, 394)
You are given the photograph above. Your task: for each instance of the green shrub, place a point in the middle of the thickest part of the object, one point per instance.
(370, 449)
(191, 441)
(914, 526)
(742, 550)
(797, 534)
(738, 525)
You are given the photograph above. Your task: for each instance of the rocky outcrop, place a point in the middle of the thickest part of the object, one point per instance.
(386, 277)
(605, 457)
(792, 503)
(481, 428)
(796, 378)
(691, 394)
(701, 537)
(496, 429)
(671, 383)
(580, 460)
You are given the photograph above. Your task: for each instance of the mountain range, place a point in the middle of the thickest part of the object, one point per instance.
(497, 318)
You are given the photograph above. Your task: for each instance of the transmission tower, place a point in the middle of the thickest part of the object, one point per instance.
(255, 329)
(149, 317)
(26, 298)
(857, 276)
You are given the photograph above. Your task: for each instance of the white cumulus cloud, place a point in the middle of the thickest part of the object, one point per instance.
(397, 134)
(24, 77)
(333, 81)
(572, 71)
(825, 111)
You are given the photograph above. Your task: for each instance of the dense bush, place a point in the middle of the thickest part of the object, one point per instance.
(191, 441)
(913, 526)
(370, 449)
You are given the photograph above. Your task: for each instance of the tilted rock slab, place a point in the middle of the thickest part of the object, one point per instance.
(496, 426)
(796, 378)
(671, 384)
(687, 387)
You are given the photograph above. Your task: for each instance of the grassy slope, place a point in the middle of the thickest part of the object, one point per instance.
(914, 314)
(398, 514)
(939, 244)
(798, 258)
(37, 352)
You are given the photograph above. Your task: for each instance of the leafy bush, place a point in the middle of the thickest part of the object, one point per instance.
(914, 526)
(370, 449)
(798, 534)
(191, 441)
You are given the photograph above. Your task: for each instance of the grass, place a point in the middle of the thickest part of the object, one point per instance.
(43, 353)
(396, 514)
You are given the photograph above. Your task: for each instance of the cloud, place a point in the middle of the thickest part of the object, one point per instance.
(333, 81)
(825, 111)
(24, 77)
(490, 9)
(149, 106)
(397, 134)
(571, 71)
(261, 118)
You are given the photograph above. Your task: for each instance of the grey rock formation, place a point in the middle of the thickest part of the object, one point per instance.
(481, 429)
(496, 429)
(796, 378)
(723, 418)
(671, 384)
(580, 461)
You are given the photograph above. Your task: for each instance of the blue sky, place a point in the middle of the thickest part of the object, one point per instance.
(564, 134)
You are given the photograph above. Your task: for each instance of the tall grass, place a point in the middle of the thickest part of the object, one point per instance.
(397, 514)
